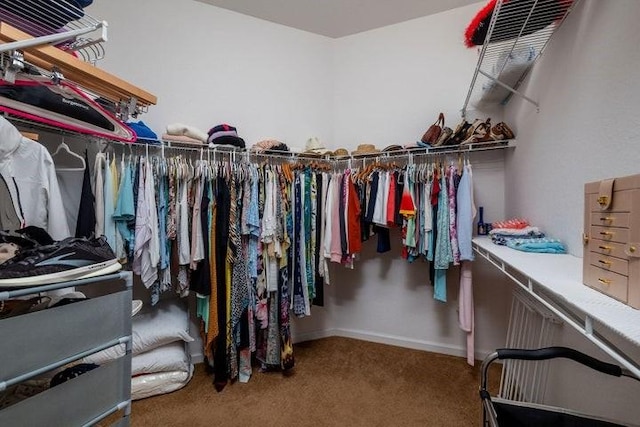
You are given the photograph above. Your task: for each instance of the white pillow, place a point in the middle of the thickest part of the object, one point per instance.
(153, 384)
(170, 357)
(165, 323)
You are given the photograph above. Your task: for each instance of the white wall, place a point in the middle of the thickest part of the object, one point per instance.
(587, 129)
(389, 86)
(391, 83)
(209, 66)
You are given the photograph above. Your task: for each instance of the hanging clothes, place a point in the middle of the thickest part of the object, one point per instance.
(30, 178)
(146, 250)
(99, 170)
(124, 212)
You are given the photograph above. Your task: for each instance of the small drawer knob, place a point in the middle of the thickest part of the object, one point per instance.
(632, 249)
(606, 282)
(607, 263)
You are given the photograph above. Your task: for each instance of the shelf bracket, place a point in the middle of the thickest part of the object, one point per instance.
(585, 330)
(14, 64)
(509, 88)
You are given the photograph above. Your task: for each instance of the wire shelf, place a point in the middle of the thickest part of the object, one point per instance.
(57, 22)
(518, 33)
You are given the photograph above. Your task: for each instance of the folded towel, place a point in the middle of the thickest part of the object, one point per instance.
(180, 138)
(544, 245)
(502, 239)
(186, 130)
(512, 231)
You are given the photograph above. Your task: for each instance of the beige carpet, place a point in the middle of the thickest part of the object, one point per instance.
(336, 382)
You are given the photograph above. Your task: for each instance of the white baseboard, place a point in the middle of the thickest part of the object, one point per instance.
(394, 340)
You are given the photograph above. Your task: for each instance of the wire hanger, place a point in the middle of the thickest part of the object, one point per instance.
(64, 150)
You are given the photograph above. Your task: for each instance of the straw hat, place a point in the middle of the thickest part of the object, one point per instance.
(314, 146)
(341, 152)
(364, 149)
(392, 147)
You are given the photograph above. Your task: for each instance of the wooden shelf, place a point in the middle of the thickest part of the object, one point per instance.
(82, 73)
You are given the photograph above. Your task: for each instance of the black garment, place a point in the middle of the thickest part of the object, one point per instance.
(86, 224)
(319, 281)
(223, 203)
(201, 278)
(375, 178)
(384, 240)
(43, 97)
(365, 227)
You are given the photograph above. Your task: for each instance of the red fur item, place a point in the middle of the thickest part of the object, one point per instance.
(546, 8)
(473, 26)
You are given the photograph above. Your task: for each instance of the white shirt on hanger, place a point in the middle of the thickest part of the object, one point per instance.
(30, 174)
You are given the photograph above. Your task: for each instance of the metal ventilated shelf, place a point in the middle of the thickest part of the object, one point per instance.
(511, 48)
(59, 22)
(55, 36)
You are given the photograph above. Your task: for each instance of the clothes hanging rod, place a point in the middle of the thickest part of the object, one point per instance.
(383, 155)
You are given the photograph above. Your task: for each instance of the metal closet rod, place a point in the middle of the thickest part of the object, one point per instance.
(389, 155)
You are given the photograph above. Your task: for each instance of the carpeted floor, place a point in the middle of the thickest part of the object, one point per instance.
(336, 382)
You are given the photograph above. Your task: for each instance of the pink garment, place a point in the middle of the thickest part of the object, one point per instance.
(465, 308)
(391, 201)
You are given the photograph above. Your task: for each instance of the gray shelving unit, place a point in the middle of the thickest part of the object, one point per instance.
(36, 343)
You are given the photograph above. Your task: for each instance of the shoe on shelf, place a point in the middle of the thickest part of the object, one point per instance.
(501, 132)
(69, 259)
(479, 132)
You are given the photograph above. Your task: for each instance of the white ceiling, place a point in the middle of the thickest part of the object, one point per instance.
(338, 18)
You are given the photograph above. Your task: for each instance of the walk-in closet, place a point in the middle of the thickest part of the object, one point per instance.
(304, 213)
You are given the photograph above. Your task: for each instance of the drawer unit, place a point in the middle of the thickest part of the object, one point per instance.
(36, 344)
(609, 263)
(611, 258)
(607, 248)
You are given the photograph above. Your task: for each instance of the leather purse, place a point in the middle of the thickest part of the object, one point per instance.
(433, 133)
(444, 136)
(460, 134)
(501, 132)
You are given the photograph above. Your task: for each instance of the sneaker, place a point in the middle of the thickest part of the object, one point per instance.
(69, 259)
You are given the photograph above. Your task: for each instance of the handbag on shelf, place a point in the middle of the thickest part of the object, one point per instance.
(459, 134)
(501, 131)
(433, 133)
(444, 136)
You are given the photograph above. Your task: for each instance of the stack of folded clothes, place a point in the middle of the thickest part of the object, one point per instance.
(519, 234)
(178, 132)
(269, 145)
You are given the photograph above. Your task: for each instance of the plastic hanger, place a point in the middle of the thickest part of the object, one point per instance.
(64, 150)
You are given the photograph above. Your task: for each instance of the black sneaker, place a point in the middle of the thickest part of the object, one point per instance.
(69, 259)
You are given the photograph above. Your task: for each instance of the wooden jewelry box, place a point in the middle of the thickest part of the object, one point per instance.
(611, 262)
